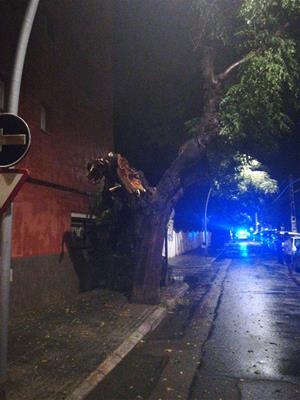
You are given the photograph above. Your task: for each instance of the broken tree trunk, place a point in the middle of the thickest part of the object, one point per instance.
(151, 207)
(148, 258)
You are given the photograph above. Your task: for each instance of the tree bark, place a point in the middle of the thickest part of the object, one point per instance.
(151, 207)
(148, 253)
(146, 285)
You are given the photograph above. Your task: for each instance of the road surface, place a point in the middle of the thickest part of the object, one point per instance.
(235, 337)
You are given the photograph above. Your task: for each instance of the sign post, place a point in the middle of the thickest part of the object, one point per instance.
(15, 141)
(6, 219)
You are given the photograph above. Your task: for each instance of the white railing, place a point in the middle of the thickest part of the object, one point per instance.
(181, 242)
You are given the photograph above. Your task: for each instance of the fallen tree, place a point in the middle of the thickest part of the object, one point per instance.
(243, 103)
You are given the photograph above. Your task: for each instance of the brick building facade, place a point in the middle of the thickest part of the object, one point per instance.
(66, 99)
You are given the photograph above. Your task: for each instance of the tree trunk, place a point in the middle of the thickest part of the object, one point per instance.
(151, 207)
(146, 284)
(148, 253)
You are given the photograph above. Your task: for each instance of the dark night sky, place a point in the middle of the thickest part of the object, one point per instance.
(156, 82)
(158, 87)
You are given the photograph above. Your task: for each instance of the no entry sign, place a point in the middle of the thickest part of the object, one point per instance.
(14, 139)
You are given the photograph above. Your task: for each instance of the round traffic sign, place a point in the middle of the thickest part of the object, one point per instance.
(15, 139)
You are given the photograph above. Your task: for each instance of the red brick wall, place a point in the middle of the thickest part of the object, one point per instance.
(68, 70)
(41, 216)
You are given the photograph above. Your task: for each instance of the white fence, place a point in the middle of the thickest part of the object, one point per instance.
(181, 242)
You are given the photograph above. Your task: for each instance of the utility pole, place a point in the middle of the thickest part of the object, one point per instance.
(292, 206)
(7, 217)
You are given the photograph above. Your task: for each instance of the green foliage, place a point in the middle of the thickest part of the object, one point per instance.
(256, 103)
(254, 108)
(243, 176)
(268, 14)
(241, 187)
(251, 176)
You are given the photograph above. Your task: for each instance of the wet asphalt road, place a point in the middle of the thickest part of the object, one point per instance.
(237, 336)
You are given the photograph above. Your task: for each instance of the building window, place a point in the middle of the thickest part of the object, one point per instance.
(43, 119)
(2, 95)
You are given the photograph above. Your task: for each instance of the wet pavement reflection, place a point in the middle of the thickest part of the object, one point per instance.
(235, 337)
(256, 335)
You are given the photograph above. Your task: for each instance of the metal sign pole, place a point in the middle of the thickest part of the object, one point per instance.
(6, 234)
(6, 220)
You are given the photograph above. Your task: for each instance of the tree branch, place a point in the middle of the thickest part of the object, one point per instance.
(224, 75)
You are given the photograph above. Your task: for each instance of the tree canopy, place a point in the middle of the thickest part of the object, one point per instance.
(260, 37)
(242, 175)
(162, 82)
(246, 65)
(242, 186)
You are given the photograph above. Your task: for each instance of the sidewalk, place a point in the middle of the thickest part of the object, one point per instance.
(51, 353)
(187, 265)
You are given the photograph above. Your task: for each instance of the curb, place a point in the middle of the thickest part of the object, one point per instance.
(150, 323)
(199, 330)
